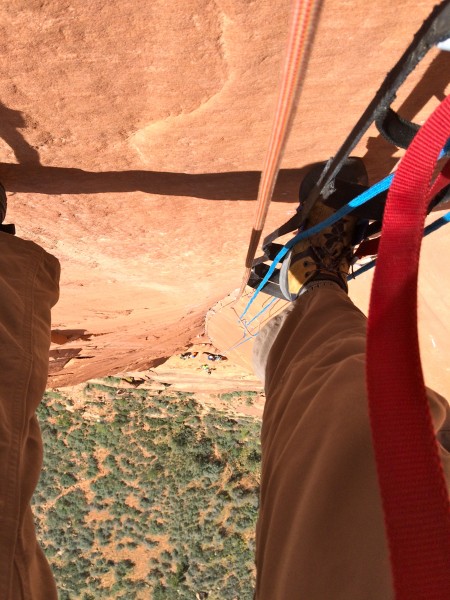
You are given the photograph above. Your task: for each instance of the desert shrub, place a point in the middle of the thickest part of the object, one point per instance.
(184, 436)
(183, 467)
(123, 568)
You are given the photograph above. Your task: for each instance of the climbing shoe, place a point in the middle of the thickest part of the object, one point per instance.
(324, 256)
(328, 254)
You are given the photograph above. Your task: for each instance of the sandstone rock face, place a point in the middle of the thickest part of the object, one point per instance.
(131, 139)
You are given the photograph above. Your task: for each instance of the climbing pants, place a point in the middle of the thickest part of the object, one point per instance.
(320, 532)
(28, 289)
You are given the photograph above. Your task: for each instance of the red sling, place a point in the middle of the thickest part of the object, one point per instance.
(413, 489)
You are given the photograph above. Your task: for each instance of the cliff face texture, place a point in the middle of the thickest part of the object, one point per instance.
(131, 139)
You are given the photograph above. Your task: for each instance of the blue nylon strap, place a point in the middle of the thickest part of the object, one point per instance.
(263, 310)
(446, 149)
(373, 191)
(444, 220)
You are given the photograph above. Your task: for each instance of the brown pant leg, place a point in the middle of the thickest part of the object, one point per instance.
(28, 289)
(320, 534)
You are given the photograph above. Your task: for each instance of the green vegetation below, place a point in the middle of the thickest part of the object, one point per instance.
(147, 496)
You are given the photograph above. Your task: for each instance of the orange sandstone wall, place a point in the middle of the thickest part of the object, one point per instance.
(131, 136)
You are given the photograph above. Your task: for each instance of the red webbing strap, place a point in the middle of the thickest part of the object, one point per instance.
(412, 484)
(370, 247)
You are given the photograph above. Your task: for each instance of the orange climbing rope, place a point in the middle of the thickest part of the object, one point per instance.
(304, 21)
